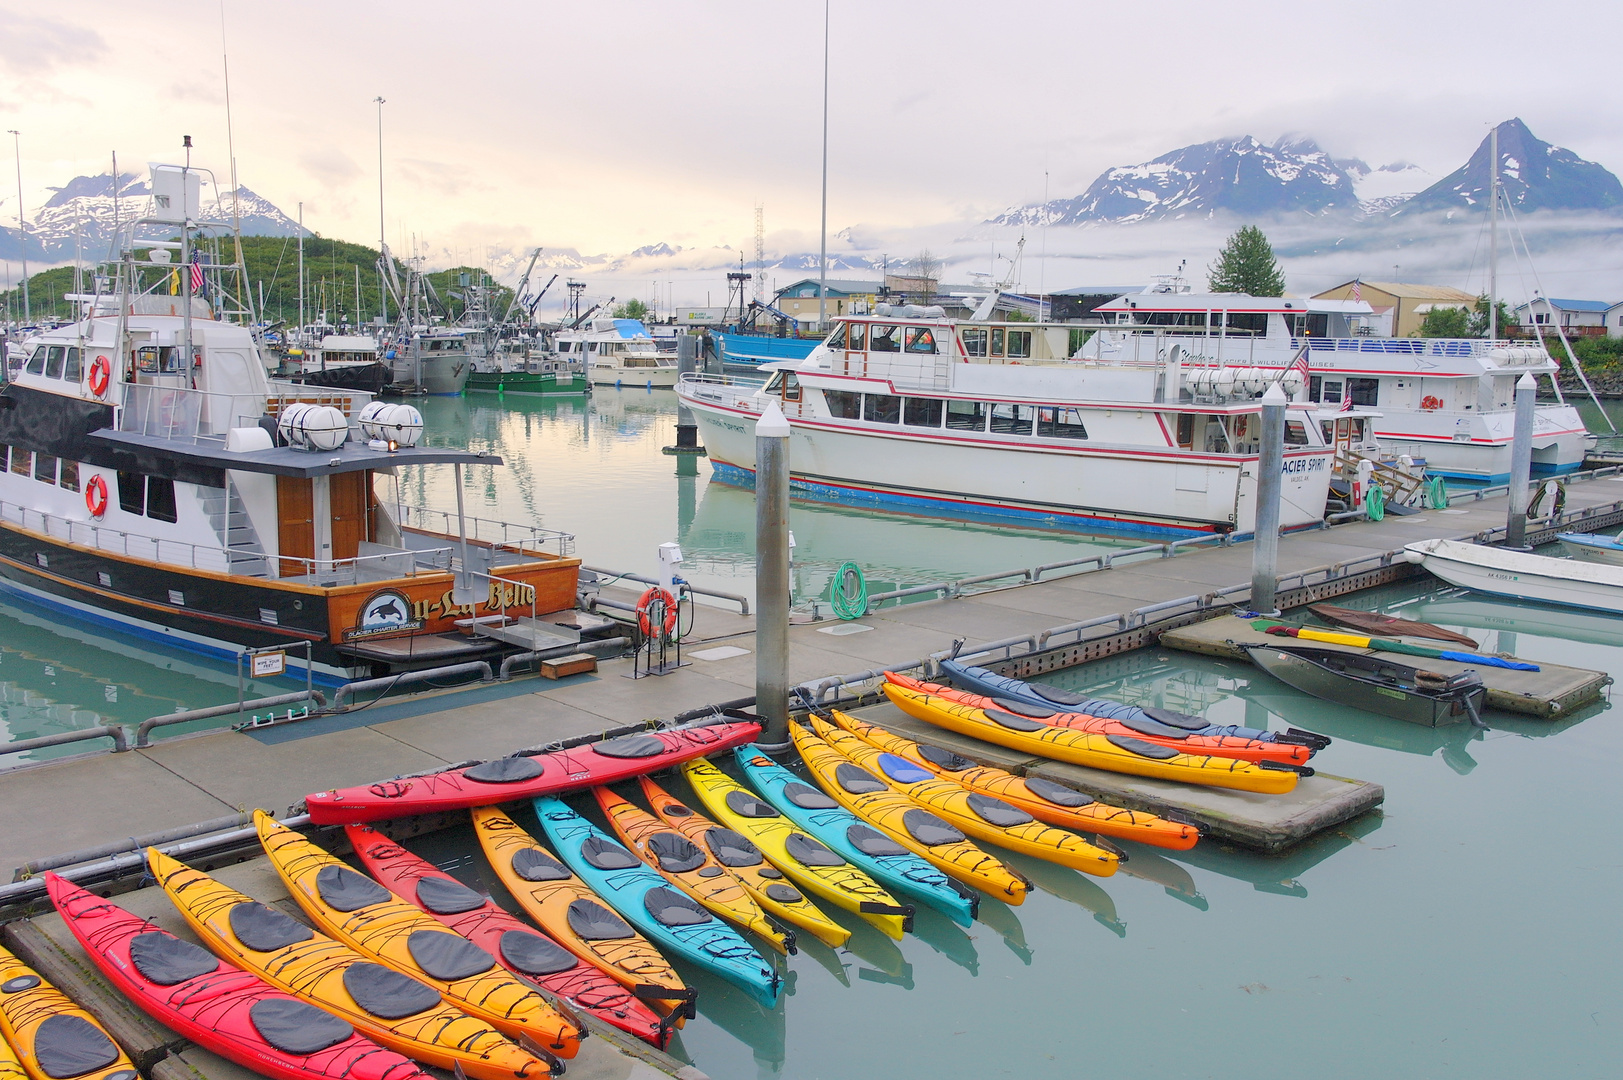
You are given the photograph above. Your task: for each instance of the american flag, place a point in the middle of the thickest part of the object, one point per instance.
(1299, 364)
(197, 272)
(1346, 401)
(1358, 292)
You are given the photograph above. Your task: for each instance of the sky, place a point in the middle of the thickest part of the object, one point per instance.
(604, 127)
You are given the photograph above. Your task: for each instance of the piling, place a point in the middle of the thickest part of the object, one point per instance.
(687, 432)
(1521, 462)
(772, 576)
(1270, 478)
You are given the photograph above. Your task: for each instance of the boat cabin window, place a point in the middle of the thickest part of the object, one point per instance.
(1019, 343)
(974, 342)
(836, 340)
(773, 383)
(966, 415)
(843, 404)
(1013, 419)
(5, 457)
(920, 339)
(22, 461)
(1248, 322)
(73, 371)
(791, 385)
(882, 408)
(36, 363)
(150, 496)
(922, 412)
(885, 339)
(1186, 430)
(1325, 390)
(70, 475)
(1060, 423)
(1364, 391)
(45, 468)
(859, 337)
(1295, 433)
(156, 359)
(997, 342)
(56, 358)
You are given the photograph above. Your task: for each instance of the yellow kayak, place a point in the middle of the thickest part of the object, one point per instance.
(52, 1037)
(904, 821)
(980, 816)
(374, 922)
(804, 860)
(1114, 753)
(410, 1018)
(745, 862)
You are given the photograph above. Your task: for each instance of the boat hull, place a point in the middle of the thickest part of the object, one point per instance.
(659, 378)
(443, 376)
(1596, 549)
(530, 383)
(1297, 668)
(1594, 586)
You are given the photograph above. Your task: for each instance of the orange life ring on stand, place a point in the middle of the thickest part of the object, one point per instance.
(1430, 402)
(645, 603)
(101, 375)
(96, 496)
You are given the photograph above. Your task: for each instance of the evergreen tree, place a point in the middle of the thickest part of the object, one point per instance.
(1246, 265)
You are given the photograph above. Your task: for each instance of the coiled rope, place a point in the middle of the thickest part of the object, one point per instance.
(848, 592)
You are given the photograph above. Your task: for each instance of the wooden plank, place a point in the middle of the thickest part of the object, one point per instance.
(564, 666)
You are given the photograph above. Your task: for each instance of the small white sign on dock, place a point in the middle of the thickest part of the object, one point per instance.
(267, 664)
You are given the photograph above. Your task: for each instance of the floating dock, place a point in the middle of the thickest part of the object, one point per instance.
(1550, 693)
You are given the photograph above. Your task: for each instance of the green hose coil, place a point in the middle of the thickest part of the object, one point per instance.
(1375, 503)
(848, 592)
(1438, 493)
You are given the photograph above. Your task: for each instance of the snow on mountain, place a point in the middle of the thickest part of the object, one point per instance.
(1382, 188)
(1535, 175)
(1242, 176)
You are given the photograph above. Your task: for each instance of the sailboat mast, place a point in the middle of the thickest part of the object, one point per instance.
(383, 249)
(1493, 237)
(301, 274)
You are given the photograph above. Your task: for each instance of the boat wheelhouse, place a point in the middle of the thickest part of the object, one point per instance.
(906, 407)
(1447, 401)
(431, 361)
(619, 352)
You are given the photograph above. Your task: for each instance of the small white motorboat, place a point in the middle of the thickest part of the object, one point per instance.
(1599, 549)
(1569, 582)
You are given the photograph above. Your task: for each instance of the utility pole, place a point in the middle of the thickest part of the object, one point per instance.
(22, 226)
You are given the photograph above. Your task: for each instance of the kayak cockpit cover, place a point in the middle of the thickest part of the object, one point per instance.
(605, 854)
(507, 770)
(902, 770)
(1023, 708)
(997, 812)
(930, 830)
(533, 864)
(594, 922)
(343, 889)
(631, 746)
(447, 956)
(1013, 722)
(1176, 719)
(944, 759)
(808, 798)
(1058, 794)
(296, 1028)
(856, 779)
(535, 955)
(675, 852)
(673, 908)
(166, 960)
(264, 929)
(732, 849)
(67, 1045)
(744, 804)
(809, 852)
(1145, 726)
(1055, 694)
(443, 896)
(872, 842)
(783, 894)
(386, 994)
(1142, 748)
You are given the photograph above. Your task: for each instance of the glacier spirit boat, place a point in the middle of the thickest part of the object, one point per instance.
(907, 407)
(1450, 401)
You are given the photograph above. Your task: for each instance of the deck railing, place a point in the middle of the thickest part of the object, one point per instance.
(507, 535)
(728, 391)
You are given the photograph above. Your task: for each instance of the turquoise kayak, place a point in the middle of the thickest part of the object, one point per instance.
(669, 918)
(869, 850)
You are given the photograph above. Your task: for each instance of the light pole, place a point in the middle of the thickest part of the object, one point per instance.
(22, 226)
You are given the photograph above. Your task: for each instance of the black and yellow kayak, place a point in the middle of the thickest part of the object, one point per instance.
(53, 1038)
(980, 816)
(904, 821)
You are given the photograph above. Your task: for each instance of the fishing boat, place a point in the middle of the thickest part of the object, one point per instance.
(1589, 548)
(517, 371)
(1375, 623)
(753, 350)
(1450, 401)
(618, 352)
(909, 408)
(432, 361)
(1373, 683)
(1523, 575)
(155, 479)
(343, 361)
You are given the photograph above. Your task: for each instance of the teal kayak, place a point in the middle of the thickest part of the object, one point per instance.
(869, 850)
(671, 919)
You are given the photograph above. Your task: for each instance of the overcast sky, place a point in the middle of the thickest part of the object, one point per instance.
(609, 125)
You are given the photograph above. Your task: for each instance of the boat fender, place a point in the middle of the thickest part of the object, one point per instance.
(96, 496)
(101, 376)
(667, 611)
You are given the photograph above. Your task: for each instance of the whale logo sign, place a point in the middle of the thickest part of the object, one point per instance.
(385, 612)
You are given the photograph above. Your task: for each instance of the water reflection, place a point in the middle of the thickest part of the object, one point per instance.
(945, 937)
(1149, 865)
(1068, 885)
(1277, 874)
(884, 959)
(1001, 919)
(741, 1016)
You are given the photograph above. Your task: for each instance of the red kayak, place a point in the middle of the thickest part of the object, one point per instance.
(221, 1008)
(513, 778)
(527, 953)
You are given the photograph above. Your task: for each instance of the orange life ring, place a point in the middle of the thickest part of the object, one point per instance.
(96, 496)
(646, 601)
(101, 375)
(1430, 402)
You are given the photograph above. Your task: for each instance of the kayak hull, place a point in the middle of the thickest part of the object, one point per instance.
(24, 1011)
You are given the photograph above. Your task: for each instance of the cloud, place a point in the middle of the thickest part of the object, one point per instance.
(330, 165)
(39, 45)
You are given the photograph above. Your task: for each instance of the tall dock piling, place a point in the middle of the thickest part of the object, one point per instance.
(772, 576)
(1270, 478)
(1521, 462)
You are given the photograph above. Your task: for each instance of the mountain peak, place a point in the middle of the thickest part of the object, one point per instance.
(1534, 175)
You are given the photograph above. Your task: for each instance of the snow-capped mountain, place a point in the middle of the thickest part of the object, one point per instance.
(1534, 175)
(80, 215)
(1383, 187)
(1242, 176)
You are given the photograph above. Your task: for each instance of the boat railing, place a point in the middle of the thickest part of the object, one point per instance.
(181, 413)
(731, 391)
(930, 371)
(516, 539)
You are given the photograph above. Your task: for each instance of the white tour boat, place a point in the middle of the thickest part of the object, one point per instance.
(1449, 401)
(907, 407)
(618, 352)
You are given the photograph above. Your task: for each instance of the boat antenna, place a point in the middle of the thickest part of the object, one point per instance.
(112, 245)
(822, 249)
(236, 188)
(1493, 235)
(22, 226)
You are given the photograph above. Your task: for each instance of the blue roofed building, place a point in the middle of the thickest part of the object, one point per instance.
(1577, 318)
